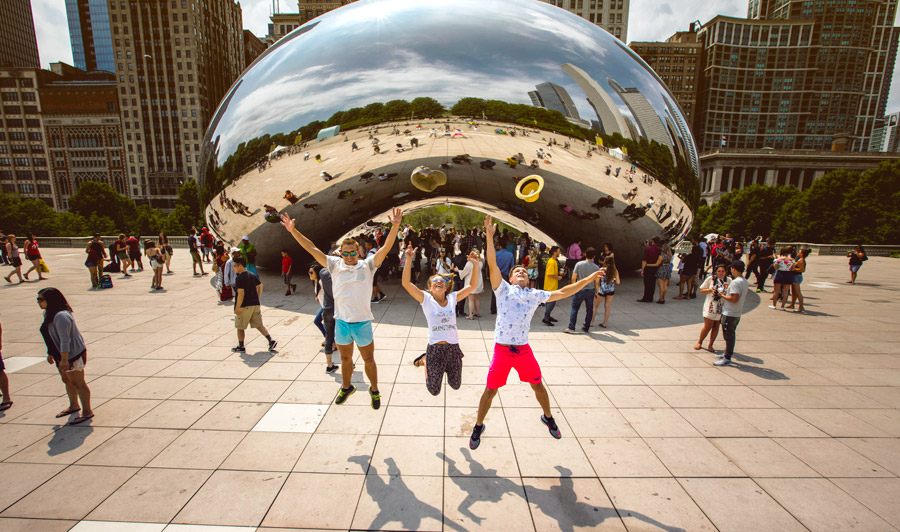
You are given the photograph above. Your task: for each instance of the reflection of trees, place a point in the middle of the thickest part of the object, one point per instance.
(656, 159)
(516, 113)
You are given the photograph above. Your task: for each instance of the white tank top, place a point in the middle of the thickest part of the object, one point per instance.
(441, 320)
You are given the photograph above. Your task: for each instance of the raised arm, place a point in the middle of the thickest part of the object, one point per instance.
(572, 288)
(406, 279)
(396, 217)
(494, 272)
(473, 281)
(306, 243)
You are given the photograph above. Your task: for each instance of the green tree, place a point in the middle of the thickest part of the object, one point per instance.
(468, 107)
(187, 207)
(812, 215)
(748, 211)
(99, 199)
(871, 210)
(426, 107)
(397, 109)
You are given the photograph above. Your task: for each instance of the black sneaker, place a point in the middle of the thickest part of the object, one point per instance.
(381, 298)
(551, 424)
(239, 349)
(475, 438)
(332, 369)
(294, 287)
(272, 344)
(554, 320)
(548, 323)
(376, 399)
(344, 394)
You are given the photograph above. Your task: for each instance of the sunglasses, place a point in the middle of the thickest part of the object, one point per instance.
(439, 281)
(39, 299)
(348, 253)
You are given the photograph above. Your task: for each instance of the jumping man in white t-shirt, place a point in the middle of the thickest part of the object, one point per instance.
(439, 305)
(351, 284)
(516, 304)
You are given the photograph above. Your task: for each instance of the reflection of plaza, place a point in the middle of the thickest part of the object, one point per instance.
(364, 185)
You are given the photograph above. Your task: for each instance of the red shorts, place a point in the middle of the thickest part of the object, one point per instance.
(520, 358)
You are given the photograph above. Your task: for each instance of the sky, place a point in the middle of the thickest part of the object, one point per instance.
(649, 20)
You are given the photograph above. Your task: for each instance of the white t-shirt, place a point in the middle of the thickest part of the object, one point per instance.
(515, 308)
(352, 289)
(467, 272)
(441, 320)
(321, 294)
(738, 286)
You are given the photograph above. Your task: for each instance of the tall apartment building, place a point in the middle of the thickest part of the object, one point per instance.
(284, 23)
(90, 35)
(886, 137)
(18, 47)
(175, 60)
(795, 74)
(253, 47)
(611, 15)
(83, 129)
(23, 150)
(676, 63)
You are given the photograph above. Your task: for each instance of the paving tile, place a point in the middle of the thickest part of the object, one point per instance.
(321, 393)
(156, 388)
(838, 423)
(121, 412)
(131, 447)
(659, 422)
(17, 437)
(821, 506)
(777, 423)
(622, 457)
(686, 397)
(693, 457)
(16, 364)
(66, 445)
(613, 376)
(577, 396)
(237, 498)
(392, 500)
(267, 451)
(29, 525)
(173, 414)
(485, 503)
(633, 397)
(494, 457)
(92, 483)
(719, 422)
(198, 449)
(598, 422)
(831, 458)
(151, 496)
(317, 491)
(883, 451)
(532, 453)
(410, 455)
(232, 416)
(526, 422)
(207, 389)
(22, 479)
(738, 504)
(762, 457)
(413, 421)
(877, 494)
(567, 503)
(651, 504)
(331, 453)
(114, 526)
(283, 417)
(350, 419)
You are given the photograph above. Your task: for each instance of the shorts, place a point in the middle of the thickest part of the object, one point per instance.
(440, 359)
(782, 277)
(77, 363)
(196, 256)
(17, 261)
(520, 358)
(359, 332)
(604, 293)
(121, 255)
(33, 257)
(135, 256)
(248, 316)
(853, 267)
(90, 264)
(155, 265)
(664, 272)
(286, 277)
(798, 278)
(206, 250)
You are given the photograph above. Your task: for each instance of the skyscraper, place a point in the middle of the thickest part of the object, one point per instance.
(552, 96)
(18, 47)
(675, 62)
(89, 32)
(611, 15)
(175, 60)
(609, 116)
(651, 124)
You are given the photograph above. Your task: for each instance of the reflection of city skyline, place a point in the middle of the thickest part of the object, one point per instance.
(608, 114)
(556, 98)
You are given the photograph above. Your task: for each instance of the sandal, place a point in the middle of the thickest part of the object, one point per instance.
(470, 317)
(477, 315)
(65, 413)
(417, 359)
(80, 419)
(5, 405)
(698, 347)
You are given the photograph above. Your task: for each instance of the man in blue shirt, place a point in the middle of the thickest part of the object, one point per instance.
(505, 262)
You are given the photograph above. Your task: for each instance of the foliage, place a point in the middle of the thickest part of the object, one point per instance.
(100, 199)
(840, 207)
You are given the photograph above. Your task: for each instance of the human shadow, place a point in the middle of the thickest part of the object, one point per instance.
(256, 359)
(394, 496)
(559, 503)
(66, 438)
(768, 374)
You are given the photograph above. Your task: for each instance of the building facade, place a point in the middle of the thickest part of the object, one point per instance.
(283, 23)
(795, 74)
(90, 34)
(886, 137)
(676, 63)
(253, 47)
(611, 15)
(175, 61)
(18, 47)
(83, 130)
(24, 168)
(727, 170)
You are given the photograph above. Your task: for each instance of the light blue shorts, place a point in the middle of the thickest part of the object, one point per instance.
(359, 332)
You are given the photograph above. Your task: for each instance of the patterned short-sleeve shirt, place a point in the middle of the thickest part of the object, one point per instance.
(515, 308)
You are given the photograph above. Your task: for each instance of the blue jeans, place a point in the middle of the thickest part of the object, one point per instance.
(548, 308)
(586, 297)
(319, 322)
(729, 327)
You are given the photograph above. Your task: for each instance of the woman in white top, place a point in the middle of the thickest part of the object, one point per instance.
(439, 305)
(442, 264)
(473, 268)
(713, 286)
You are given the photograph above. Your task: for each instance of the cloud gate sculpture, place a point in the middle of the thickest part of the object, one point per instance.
(512, 107)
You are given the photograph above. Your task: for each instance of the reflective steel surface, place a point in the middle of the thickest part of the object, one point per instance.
(433, 81)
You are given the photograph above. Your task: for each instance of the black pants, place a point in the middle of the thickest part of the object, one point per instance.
(649, 282)
(762, 272)
(753, 267)
(729, 327)
(328, 322)
(494, 297)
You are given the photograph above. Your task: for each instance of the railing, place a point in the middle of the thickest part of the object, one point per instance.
(179, 242)
(815, 249)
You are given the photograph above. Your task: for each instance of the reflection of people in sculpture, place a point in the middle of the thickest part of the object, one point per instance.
(353, 147)
(312, 206)
(288, 195)
(271, 214)
(352, 280)
(376, 150)
(606, 202)
(414, 142)
(534, 164)
(487, 164)
(631, 194)
(326, 176)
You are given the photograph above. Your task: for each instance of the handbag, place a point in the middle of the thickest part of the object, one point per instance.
(44, 268)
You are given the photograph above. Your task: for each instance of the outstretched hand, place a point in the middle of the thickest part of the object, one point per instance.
(287, 222)
(595, 275)
(410, 251)
(396, 216)
(489, 226)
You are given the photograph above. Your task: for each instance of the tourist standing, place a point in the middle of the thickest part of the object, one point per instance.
(156, 260)
(664, 272)
(473, 268)
(732, 308)
(324, 319)
(798, 270)
(194, 247)
(96, 253)
(287, 267)
(206, 242)
(573, 255)
(764, 261)
(134, 252)
(246, 305)
(163, 244)
(121, 248)
(713, 286)
(6, 401)
(609, 278)
(586, 295)
(248, 250)
(857, 256)
(12, 251)
(352, 284)
(516, 305)
(66, 348)
(784, 277)
(33, 254)
(229, 277)
(650, 262)
(552, 277)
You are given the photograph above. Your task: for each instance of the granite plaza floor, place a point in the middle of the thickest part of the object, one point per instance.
(801, 434)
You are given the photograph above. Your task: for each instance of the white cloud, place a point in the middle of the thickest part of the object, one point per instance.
(52, 30)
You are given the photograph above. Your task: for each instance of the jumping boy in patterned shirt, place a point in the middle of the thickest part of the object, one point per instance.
(516, 304)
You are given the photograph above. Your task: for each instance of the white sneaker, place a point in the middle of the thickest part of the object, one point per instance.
(722, 362)
(773, 307)
(570, 331)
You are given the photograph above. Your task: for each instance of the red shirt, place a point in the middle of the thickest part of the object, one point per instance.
(651, 254)
(286, 263)
(134, 246)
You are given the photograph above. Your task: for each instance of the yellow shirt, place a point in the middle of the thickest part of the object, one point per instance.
(551, 283)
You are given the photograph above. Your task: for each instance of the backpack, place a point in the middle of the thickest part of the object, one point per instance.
(106, 281)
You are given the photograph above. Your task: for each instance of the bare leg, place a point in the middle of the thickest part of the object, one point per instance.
(707, 325)
(4, 387)
(484, 405)
(798, 295)
(713, 334)
(597, 301)
(607, 306)
(540, 392)
(241, 333)
(368, 355)
(346, 364)
(71, 391)
(84, 393)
